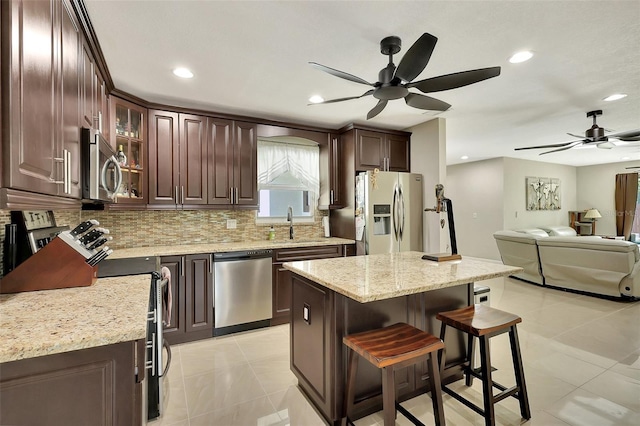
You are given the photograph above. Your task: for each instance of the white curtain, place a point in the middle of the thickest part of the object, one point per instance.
(301, 161)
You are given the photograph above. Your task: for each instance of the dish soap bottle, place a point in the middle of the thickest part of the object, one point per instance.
(121, 157)
(272, 233)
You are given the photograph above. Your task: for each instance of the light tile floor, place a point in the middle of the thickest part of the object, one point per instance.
(581, 356)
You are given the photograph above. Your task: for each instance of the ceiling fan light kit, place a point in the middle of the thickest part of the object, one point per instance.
(595, 135)
(394, 82)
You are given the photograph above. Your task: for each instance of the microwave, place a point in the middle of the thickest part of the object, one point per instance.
(101, 173)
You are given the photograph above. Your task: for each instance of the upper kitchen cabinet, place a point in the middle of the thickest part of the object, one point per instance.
(233, 164)
(41, 43)
(129, 139)
(381, 150)
(177, 159)
(331, 181)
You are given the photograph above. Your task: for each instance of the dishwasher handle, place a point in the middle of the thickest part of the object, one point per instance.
(241, 255)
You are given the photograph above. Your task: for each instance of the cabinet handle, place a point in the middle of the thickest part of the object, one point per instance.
(211, 263)
(67, 178)
(331, 197)
(175, 193)
(184, 266)
(236, 198)
(182, 194)
(62, 160)
(230, 195)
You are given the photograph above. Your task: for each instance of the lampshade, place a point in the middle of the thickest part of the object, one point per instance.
(592, 214)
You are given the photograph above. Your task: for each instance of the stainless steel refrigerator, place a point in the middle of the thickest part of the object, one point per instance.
(388, 212)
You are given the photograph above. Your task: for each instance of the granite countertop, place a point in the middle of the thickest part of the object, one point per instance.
(223, 247)
(46, 322)
(384, 276)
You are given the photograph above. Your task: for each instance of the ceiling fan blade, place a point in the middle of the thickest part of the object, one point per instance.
(628, 136)
(425, 102)
(330, 101)
(555, 145)
(455, 80)
(563, 148)
(340, 74)
(377, 109)
(575, 136)
(416, 58)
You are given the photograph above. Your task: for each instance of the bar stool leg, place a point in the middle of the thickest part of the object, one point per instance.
(523, 396)
(436, 391)
(388, 396)
(349, 394)
(487, 382)
(471, 356)
(442, 355)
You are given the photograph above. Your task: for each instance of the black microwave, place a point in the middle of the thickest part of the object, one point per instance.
(101, 173)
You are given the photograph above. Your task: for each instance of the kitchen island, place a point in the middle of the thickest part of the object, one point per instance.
(69, 356)
(335, 297)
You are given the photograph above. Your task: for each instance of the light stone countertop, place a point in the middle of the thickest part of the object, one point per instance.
(223, 247)
(37, 323)
(384, 276)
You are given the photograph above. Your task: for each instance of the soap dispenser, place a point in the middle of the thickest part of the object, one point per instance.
(272, 233)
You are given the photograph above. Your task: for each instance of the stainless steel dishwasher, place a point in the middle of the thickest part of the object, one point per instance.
(242, 290)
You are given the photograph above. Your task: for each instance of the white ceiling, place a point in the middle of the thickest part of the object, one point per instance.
(250, 58)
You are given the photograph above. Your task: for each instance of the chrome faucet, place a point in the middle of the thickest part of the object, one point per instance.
(290, 220)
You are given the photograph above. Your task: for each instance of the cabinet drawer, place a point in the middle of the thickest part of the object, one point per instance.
(307, 253)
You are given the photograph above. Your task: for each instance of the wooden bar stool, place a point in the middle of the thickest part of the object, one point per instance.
(389, 348)
(484, 322)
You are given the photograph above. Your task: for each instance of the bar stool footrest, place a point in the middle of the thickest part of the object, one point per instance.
(463, 400)
(513, 391)
(413, 419)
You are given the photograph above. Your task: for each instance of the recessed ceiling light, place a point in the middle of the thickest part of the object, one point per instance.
(464, 157)
(615, 97)
(316, 99)
(625, 158)
(525, 55)
(183, 72)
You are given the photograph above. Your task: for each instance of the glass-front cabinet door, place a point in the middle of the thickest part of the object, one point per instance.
(129, 141)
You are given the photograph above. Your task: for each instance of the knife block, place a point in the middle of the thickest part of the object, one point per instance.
(56, 265)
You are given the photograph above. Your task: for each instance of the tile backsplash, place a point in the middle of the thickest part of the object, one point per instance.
(153, 228)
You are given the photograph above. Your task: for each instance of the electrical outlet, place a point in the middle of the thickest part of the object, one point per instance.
(475, 215)
(232, 223)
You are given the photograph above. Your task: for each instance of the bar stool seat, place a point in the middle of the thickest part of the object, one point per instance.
(483, 322)
(389, 348)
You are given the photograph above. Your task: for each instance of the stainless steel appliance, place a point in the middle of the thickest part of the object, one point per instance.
(388, 212)
(101, 173)
(153, 398)
(242, 290)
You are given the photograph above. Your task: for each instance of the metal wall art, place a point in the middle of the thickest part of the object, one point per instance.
(543, 193)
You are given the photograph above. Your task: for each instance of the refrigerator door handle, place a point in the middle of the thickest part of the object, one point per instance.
(394, 212)
(402, 211)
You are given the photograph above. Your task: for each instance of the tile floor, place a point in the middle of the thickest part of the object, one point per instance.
(581, 357)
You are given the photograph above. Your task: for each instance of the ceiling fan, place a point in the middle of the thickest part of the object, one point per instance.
(594, 135)
(395, 82)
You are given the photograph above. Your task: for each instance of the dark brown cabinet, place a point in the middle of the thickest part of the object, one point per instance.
(41, 91)
(196, 161)
(177, 159)
(233, 164)
(192, 293)
(89, 386)
(332, 189)
(282, 277)
(384, 151)
(128, 135)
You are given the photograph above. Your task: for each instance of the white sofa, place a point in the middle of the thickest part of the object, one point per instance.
(556, 257)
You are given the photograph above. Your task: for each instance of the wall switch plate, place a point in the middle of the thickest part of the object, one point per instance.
(305, 314)
(475, 215)
(232, 223)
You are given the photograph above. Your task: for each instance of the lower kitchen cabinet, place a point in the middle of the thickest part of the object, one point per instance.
(192, 295)
(85, 387)
(282, 277)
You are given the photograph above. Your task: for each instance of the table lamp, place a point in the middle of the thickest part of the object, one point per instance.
(594, 215)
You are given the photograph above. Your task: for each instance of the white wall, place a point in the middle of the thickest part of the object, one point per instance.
(477, 194)
(495, 190)
(428, 157)
(596, 188)
(515, 213)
